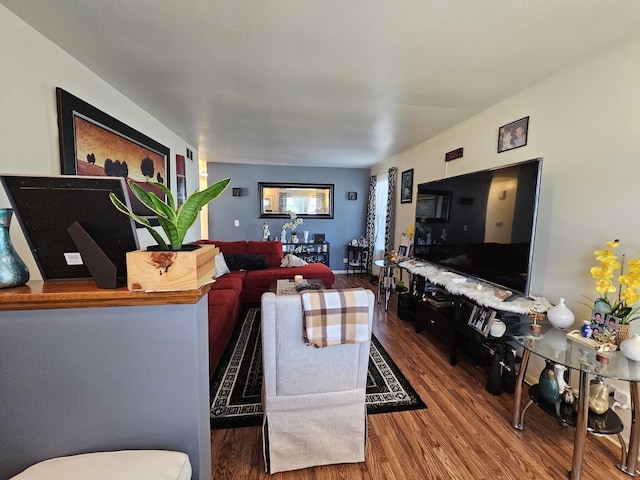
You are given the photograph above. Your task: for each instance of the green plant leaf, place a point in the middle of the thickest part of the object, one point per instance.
(170, 200)
(141, 194)
(189, 210)
(162, 209)
(141, 220)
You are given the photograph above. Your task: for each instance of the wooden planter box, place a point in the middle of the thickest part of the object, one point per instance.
(155, 271)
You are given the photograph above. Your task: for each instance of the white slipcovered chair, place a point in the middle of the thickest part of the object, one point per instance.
(118, 465)
(313, 398)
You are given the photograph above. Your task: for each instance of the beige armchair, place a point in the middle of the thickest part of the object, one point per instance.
(313, 398)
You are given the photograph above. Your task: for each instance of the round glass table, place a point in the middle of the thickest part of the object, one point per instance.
(556, 346)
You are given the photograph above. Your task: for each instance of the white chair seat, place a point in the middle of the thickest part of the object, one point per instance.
(122, 465)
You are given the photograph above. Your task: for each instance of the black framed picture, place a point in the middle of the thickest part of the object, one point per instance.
(513, 135)
(93, 143)
(352, 195)
(481, 318)
(406, 187)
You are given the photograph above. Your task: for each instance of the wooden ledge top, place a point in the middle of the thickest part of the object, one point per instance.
(40, 295)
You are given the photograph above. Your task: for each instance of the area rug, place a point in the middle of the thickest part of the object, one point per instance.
(237, 383)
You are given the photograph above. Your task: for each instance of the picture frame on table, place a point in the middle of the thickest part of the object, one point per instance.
(406, 186)
(513, 135)
(481, 318)
(93, 143)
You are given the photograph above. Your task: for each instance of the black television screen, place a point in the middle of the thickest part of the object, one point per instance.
(46, 206)
(481, 224)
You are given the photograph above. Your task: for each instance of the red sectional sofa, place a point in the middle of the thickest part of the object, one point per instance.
(238, 287)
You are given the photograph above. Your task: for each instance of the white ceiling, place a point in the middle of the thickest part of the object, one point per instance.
(344, 83)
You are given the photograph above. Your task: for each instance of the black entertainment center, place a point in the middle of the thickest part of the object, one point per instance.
(479, 228)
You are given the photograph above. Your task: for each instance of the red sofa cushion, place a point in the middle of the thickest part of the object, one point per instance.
(271, 250)
(230, 281)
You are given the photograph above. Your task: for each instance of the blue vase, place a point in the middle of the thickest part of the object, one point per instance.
(548, 384)
(13, 271)
(586, 331)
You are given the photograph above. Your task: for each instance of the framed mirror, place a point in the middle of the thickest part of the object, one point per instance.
(307, 200)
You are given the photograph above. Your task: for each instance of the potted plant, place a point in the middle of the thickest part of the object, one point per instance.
(171, 265)
(623, 305)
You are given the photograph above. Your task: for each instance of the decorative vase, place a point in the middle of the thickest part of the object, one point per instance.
(630, 347)
(13, 271)
(586, 329)
(559, 371)
(548, 384)
(623, 333)
(497, 328)
(560, 316)
(294, 237)
(306, 236)
(598, 395)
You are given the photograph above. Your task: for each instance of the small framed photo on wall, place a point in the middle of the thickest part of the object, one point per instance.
(406, 187)
(513, 135)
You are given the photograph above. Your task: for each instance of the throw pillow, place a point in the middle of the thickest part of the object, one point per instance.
(221, 265)
(290, 260)
(246, 262)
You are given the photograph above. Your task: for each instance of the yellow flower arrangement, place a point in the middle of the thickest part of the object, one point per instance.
(411, 230)
(629, 283)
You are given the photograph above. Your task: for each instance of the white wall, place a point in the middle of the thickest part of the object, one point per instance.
(31, 67)
(585, 123)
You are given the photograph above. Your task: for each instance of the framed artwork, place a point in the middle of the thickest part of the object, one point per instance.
(513, 135)
(94, 143)
(352, 195)
(406, 187)
(181, 180)
(481, 318)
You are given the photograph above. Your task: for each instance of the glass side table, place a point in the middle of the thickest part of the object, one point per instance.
(552, 344)
(386, 280)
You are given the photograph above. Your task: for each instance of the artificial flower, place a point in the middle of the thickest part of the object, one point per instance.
(293, 224)
(629, 283)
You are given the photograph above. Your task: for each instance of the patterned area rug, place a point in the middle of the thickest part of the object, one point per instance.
(237, 383)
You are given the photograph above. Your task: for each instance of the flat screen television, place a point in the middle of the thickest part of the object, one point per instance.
(481, 224)
(46, 207)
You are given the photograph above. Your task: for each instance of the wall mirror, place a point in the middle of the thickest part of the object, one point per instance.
(433, 206)
(307, 200)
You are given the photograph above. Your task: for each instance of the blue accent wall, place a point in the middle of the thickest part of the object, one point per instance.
(349, 215)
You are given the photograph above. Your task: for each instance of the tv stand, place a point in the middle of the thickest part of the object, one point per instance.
(441, 305)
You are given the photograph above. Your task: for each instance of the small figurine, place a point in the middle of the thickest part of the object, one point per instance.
(266, 234)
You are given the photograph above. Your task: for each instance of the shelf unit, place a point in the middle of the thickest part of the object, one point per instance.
(356, 256)
(607, 423)
(311, 252)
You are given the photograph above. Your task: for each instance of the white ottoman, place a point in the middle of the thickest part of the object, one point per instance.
(122, 465)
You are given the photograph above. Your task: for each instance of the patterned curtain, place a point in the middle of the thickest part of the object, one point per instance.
(389, 227)
(370, 228)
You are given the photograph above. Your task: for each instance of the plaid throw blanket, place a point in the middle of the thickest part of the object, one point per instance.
(332, 317)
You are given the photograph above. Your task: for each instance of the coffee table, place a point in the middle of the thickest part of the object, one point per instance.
(288, 286)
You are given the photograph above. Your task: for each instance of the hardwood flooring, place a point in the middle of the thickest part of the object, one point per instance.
(465, 433)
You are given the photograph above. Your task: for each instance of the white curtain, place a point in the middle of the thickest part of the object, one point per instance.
(382, 186)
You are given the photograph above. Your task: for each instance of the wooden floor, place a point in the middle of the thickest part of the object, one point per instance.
(465, 433)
